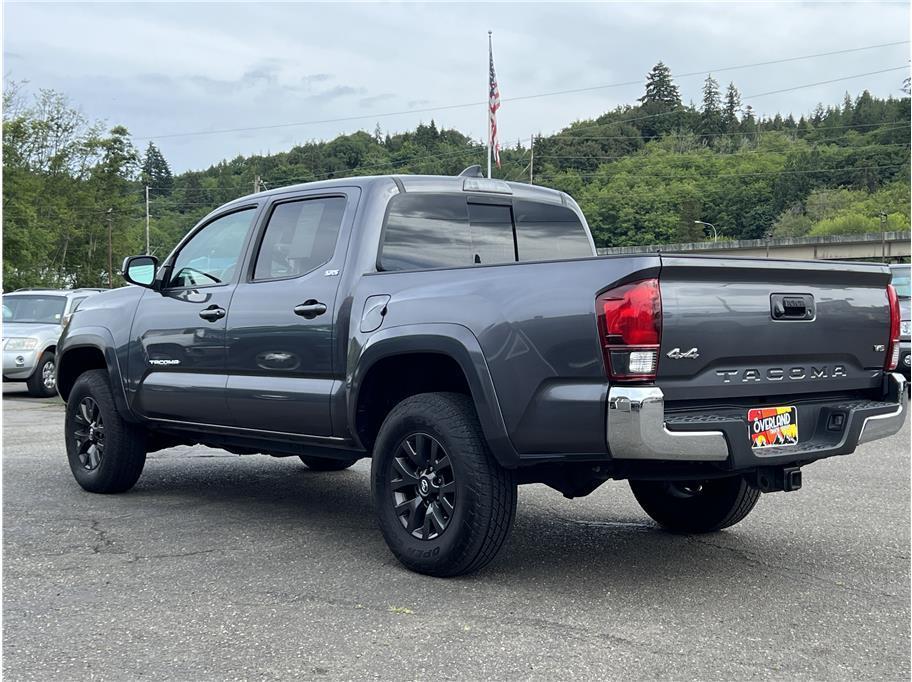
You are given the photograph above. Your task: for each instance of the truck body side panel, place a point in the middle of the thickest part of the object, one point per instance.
(536, 326)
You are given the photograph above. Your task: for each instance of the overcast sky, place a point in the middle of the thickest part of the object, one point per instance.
(161, 69)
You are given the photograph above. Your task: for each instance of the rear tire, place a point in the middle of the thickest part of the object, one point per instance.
(327, 463)
(106, 453)
(41, 383)
(444, 504)
(696, 506)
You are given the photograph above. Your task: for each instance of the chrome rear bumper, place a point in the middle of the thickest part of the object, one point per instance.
(637, 429)
(883, 425)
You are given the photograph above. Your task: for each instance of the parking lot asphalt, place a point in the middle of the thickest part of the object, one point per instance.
(224, 567)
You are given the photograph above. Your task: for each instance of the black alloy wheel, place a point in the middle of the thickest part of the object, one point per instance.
(423, 486)
(89, 434)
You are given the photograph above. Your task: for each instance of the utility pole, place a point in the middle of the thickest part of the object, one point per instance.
(148, 250)
(256, 184)
(531, 158)
(110, 248)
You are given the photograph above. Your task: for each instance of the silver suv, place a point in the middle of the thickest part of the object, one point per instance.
(33, 320)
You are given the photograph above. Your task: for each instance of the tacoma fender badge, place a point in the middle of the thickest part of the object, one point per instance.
(676, 354)
(164, 363)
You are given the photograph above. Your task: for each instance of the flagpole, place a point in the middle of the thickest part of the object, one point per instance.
(490, 57)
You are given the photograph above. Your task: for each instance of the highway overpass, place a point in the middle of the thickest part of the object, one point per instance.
(886, 246)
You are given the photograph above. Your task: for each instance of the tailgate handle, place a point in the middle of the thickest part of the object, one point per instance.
(792, 306)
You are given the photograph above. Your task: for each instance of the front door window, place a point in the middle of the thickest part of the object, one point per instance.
(212, 254)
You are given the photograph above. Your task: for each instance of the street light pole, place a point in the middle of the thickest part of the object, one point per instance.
(709, 225)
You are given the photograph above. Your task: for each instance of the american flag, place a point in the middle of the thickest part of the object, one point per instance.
(493, 105)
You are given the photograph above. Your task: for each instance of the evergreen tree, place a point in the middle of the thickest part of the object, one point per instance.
(660, 88)
(155, 173)
(748, 123)
(711, 111)
(819, 111)
(732, 108)
(194, 195)
(865, 111)
(847, 107)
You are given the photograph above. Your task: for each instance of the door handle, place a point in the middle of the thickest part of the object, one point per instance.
(212, 313)
(309, 309)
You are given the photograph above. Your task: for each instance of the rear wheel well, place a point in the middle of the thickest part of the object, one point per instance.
(393, 379)
(77, 361)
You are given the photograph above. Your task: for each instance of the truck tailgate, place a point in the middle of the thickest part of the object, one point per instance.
(738, 328)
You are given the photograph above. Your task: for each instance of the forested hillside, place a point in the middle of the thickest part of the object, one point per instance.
(642, 173)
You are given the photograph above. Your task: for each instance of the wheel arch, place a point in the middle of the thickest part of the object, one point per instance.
(88, 350)
(440, 357)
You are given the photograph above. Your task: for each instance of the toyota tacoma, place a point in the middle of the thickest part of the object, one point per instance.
(463, 334)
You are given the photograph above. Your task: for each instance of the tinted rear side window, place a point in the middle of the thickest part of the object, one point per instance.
(426, 231)
(300, 236)
(491, 230)
(549, 232)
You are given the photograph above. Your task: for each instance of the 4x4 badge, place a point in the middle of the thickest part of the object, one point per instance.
(676, 354)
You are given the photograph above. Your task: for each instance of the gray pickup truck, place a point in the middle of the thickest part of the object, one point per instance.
(463, 334)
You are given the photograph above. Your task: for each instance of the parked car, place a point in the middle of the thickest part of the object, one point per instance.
(32, 322)
(902, 282)
(463, 333)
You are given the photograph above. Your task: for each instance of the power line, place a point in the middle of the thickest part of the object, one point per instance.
(826, 82)
(818, 128)
(738, 175)
(736, 153)
(554, 93)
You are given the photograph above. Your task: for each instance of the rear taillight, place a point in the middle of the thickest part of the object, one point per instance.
(630, 327)
(892, 358)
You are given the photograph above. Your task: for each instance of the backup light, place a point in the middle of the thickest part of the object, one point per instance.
(642, 362)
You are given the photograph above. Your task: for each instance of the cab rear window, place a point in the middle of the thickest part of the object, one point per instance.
(456, 230)
(549, 232)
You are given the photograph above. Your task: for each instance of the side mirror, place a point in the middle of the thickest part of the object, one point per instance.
(140, 270)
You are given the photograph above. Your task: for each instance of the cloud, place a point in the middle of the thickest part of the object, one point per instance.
(246, 65)
(315, 78)
(366, 102)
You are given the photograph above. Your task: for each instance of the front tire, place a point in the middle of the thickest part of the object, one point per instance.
(106, 453)
(696, 506)
(327, 463)
(444, 504)
(41, 383)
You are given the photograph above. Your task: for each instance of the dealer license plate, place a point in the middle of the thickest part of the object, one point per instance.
(771, 427)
